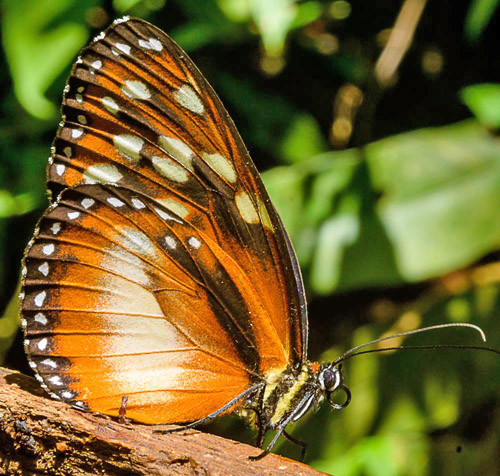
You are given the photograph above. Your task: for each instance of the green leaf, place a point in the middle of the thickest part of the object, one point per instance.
(235, 10)
(123, 6)
(441, 196)
(37, 51)
(193, 36)
(274, 20)
(421, 204)
(484, 102)
(307, 13)
(303, 139)
(16, 205)
(478, 17)
(9, 324)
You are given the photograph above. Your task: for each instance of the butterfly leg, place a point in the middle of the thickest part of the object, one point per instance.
(123, 410)
(281, 428)
(295, 441)
(233, 402)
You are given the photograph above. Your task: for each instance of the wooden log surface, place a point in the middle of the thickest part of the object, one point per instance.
(41, 436)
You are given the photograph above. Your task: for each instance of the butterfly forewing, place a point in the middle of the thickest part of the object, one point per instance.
(195, 253)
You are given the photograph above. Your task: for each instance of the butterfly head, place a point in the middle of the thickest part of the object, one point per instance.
(330, 381)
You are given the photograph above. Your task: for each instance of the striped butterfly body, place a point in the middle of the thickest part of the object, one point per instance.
(161, 272)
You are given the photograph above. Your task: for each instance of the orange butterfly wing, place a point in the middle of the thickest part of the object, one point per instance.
(222, 308)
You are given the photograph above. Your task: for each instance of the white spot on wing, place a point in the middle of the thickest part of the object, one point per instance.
(76, 133)
(48, 249)
(44, 268)
(55, 380)
(138, 204)
(96, 64)
(170, 241)
(67, 395)
(73, 215)
(152, 44)
(187, 97)
(60, 168)
(55, 228)
(194, 242)
(115, 202)
(49, 363)
(42, 344)
(41, 319)
(87, 203)
(123, 48)
(136, 89)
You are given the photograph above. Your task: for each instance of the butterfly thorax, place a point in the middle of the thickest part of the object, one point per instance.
(284, 391)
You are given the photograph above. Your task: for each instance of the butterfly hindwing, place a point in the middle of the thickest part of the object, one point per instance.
(122, 299)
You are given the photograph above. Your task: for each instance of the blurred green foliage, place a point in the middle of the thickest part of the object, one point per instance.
(479, 15)
(397, 230)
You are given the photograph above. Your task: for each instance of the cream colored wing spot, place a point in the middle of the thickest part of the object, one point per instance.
(129, 145)
(110, 104)
(136, 89)
(221, 165)
(187, 97)
(264, 216)
(246, 207)
(102, 173)
(174, 206)
(170, 169)
(178, 150)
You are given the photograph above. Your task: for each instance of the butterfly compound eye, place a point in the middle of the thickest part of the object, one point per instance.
(331, 379)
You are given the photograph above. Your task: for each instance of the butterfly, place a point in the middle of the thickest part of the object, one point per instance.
(161, 274)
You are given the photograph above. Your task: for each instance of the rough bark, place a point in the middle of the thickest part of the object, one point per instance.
(41, 436)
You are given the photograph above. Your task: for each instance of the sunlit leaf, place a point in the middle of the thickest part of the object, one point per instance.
(307, 12)
(484, 101)
(274, 20)
(39, 48)
(235, 10)
(124, 5)
(11, 205)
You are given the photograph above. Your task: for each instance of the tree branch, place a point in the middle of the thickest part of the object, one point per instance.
(39, 435)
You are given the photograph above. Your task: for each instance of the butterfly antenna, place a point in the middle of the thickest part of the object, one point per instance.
(354, 350)
(420, 347)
